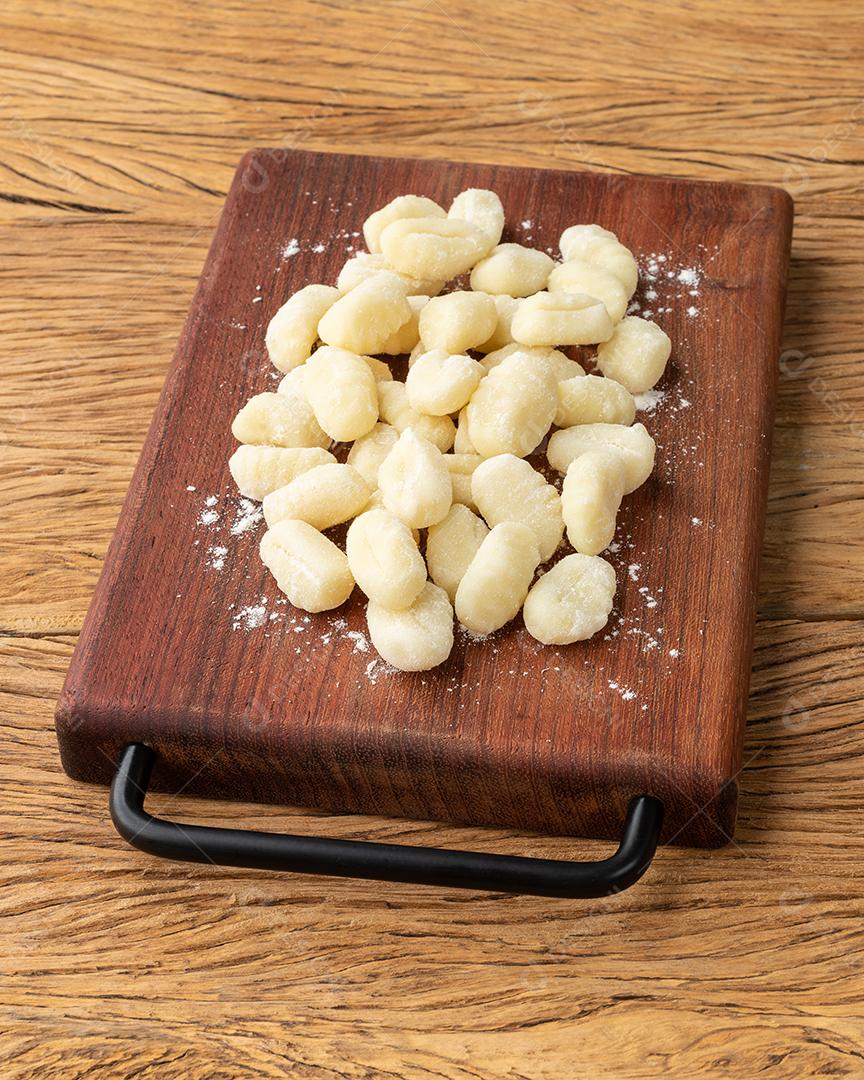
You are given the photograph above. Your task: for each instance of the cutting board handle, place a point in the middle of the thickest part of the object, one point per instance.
(384, 862)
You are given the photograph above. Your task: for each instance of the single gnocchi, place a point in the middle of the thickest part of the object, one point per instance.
(570, 602)
(415, 638)
(364, 319)
(601, 248)
(342, 391)
(513, 407)
(293, 330)
(512, 269)
(323, 497)
(311, 571)
(560, 318)
(577, 276)
(496, 581)
(590, 399)
(258, 470)
(432, 247)
(481, 208)
(636, 354)
(384, 559)
(398, 209)
(415, 481)
(458, 321)
(278, 420)
(508, 488)
(635, 445)
(590, 499)
(451, 544)
(440, 383)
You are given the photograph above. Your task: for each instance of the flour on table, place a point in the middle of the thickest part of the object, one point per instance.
(249, 515)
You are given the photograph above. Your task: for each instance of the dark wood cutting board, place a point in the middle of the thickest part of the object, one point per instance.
(188, 646)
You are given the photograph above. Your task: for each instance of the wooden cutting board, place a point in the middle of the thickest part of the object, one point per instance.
(189, 647)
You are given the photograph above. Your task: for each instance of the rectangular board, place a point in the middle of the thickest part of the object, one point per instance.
(188, 646)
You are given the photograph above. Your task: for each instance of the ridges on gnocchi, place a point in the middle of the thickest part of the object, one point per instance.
(436, 464)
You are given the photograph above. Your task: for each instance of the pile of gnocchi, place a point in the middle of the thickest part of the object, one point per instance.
(444, 452)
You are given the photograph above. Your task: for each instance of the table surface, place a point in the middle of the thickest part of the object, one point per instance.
(120, 129)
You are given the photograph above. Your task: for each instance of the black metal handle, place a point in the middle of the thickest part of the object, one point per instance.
(385, 862)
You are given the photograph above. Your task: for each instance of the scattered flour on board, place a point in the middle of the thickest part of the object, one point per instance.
(250, 617)
(249, 515)
(649, 401)
(216, 554)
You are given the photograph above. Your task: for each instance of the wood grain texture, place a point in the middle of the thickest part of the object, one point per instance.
(119, 134)
(506, 732)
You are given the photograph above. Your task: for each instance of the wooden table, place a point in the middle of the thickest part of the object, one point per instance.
(120, 127)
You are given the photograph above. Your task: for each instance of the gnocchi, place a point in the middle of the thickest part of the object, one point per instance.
(432, 247)
(415, 481)
(293, 330)
(481, 208)
(577, 276)
(491, 518)
(458, 321)
(570, 602)
(258, 470)
(364, 319)
(512, 269)
(384, 559)
(342, 391)
(311, 571)
(440, 383)
(278, 420)
(635, 355)
(496, 581)
(451, 544)
(590, 399)
(508, 488)
(560, 318)
(600, 248)
(323, 497)
(635, 445)
(416, 638)
(400, 208)
(513, 407)
(590, 498)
